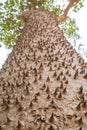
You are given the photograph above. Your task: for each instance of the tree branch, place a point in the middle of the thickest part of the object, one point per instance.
(63, 17)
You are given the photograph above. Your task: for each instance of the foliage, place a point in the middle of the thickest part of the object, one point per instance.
(11, 24)
(78, 6)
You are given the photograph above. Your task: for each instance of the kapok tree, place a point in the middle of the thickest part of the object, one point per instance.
(43, 83)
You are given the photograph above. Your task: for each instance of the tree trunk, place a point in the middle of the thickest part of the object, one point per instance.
(43, 83)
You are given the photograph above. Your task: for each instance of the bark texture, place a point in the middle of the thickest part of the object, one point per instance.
(43, 83)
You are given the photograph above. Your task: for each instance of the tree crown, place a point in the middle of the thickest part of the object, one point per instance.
(11, 24)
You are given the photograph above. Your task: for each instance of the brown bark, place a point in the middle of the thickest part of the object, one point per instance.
(43, 83)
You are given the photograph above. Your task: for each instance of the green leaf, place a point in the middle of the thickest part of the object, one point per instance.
(1, 4)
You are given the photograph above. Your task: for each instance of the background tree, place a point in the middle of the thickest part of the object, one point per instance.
(11, 24)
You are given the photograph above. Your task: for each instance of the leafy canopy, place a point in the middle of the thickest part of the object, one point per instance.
(11, 24)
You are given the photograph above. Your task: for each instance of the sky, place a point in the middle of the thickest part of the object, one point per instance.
(81, 20)
(4, 52)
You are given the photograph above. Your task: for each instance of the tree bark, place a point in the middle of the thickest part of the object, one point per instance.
(43, 83)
